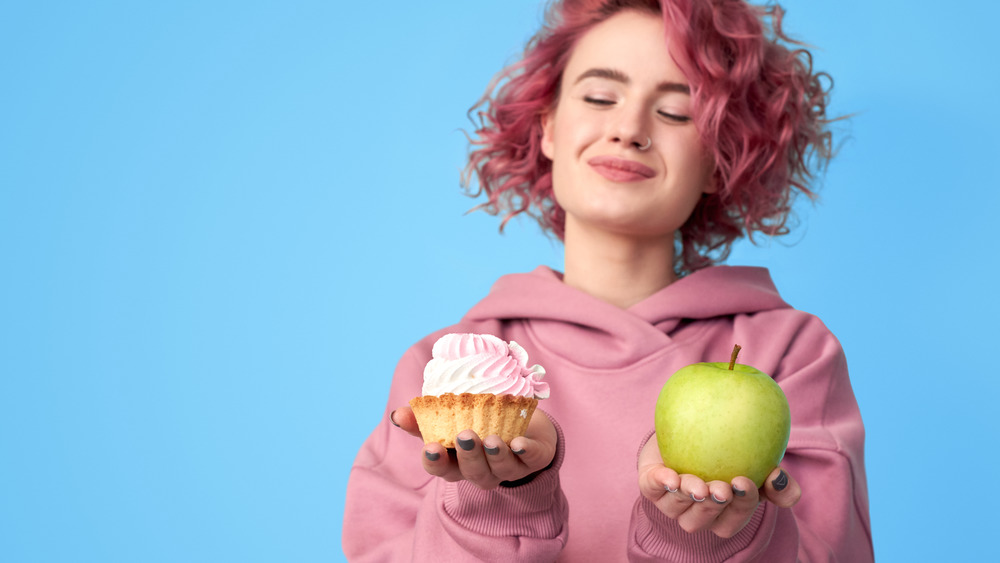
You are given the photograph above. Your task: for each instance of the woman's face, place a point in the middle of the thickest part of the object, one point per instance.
(622, 91)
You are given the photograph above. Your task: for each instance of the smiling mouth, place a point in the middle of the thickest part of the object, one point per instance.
(621, 169)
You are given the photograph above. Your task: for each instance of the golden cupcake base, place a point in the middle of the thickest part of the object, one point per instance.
(441, 418)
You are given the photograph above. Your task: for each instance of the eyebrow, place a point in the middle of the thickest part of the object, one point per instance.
(619, 76)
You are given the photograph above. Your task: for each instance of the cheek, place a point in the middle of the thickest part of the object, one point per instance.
(562, 138)
(691, 161)
(564, 162)
(574, 131)
(560, 180)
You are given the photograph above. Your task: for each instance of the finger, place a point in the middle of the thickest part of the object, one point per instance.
(745, 494)
(703, 511)
(781, 489)
(720, 492)
(537, 447)
(403, 418)
(504, 465)
(694, 487)
(657, 480)
(675, 502)
(472, 460)
(439, 462)
(678, 500)
(534, 455)
(738, 511)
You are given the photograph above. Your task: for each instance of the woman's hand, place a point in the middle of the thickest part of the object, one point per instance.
(723, 508)
(486, 462)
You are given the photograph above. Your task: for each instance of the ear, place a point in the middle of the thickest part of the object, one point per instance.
(547, 126)
(712, 183)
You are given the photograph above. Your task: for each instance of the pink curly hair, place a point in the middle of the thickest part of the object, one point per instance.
(758, 107)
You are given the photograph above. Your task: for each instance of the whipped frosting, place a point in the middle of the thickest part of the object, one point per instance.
(482, 363)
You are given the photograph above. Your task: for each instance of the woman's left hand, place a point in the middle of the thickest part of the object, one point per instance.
(724, 508)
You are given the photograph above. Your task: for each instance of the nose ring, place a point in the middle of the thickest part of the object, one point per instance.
(649, 143)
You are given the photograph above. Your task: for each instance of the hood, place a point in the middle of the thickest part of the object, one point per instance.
(568, 319)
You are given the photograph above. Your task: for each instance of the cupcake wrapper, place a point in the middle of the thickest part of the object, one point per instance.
(441, 418)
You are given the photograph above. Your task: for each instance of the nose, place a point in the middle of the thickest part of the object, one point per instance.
(631, 128)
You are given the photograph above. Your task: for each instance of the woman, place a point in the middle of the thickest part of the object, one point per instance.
(648, 138)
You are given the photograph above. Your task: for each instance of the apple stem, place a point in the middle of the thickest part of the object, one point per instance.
(732, 359)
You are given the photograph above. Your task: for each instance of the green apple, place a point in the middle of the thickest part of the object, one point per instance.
(722, 420)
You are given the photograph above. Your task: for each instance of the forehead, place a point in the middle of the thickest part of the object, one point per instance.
(632, 42)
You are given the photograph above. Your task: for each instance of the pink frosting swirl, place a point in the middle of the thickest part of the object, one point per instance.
(482, 363)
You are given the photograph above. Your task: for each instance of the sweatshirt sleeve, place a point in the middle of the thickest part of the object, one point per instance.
(825, 455)
(395, 511)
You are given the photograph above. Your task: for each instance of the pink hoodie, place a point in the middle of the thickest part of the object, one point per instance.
(606, 367)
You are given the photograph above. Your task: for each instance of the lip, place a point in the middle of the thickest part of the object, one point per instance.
(619, 169)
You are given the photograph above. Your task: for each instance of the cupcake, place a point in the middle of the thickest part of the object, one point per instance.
(478, 382)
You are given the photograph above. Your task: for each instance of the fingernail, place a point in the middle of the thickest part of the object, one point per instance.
(432, 456)
(392, 420)
(696, 499)
(780, 482)
(466, 445)
(739, 492)
(669, 490)
(492, 451)
(519, 452)
(717, 499)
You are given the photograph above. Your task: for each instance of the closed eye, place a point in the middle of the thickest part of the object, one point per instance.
(675, 117)
(598, 101)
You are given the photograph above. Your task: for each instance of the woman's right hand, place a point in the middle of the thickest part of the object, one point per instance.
(486, 462)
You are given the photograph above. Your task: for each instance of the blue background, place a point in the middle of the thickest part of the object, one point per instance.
(222, 222)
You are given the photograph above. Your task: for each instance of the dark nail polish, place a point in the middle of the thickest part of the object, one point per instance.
(696, 499)
(668, 489)
(739, 492)
(393, 420)
(780, 482)
(717, 500)
(466, 445)
(432, 456)
(492, 451)
(519, 452)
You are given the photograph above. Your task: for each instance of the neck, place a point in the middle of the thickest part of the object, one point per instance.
(621, 270)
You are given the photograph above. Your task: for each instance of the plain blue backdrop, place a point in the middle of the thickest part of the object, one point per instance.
(222, 222)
